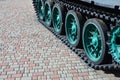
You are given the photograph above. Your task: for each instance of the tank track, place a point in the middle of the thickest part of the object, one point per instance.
(107, 17)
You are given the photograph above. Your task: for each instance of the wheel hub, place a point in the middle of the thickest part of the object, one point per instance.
(94, 38)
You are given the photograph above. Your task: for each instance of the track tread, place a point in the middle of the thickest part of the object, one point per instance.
(79, 52)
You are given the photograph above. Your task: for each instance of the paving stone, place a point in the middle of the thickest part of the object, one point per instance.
(3, 76)
(17, 78)
(69, 78)
(11, 72)
(28, 51)
(30, 74)
(63, 75)
(26, 78)
(25, 75)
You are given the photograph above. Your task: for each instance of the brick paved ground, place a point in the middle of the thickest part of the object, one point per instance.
(28, 51)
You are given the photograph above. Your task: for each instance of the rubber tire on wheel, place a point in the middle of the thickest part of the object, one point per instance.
(102, 29)
(61, 12)
(78, 20)
(49, 5)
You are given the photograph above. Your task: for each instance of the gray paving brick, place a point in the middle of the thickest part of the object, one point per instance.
(69, 78)
(80, 78)
(11, 72)
(31, 71)
(62, 78)
(30, 74)
(48, 73)
(17, 78)
(14, 66)
(3, 76)
(63, 75)
(26, 78)
(25, 75)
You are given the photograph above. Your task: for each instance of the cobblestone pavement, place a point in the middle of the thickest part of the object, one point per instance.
(28, 51)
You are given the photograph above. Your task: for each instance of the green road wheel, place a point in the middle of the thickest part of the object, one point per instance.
(94, 32)
(41, 9)
(58, 18)
(72, 27)
(48, 15)
(115, 43)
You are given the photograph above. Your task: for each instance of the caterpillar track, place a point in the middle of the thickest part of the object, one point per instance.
(91, 30)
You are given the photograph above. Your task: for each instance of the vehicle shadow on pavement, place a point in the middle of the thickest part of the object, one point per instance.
(115, 72)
